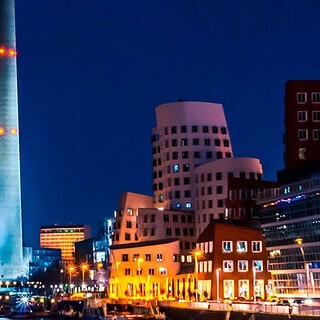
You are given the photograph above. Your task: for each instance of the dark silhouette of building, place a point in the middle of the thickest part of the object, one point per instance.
(302, 130)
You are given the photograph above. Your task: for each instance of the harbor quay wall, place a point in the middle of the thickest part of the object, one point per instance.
(173, 313)
(223, 311)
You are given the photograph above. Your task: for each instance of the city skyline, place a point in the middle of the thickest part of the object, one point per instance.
(91, 75)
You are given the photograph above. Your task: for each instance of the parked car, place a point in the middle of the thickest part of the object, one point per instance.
(298, 302)
(283, 302)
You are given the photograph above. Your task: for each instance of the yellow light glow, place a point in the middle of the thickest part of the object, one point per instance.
(2, 131)
(13, 131)
(12, 52)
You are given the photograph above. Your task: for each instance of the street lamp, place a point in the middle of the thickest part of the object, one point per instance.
(299, 242)
(140, 260)
(84, 267)
(197, 253)
(71, 269)
(117, 278)
(254, 271)
(217, 278)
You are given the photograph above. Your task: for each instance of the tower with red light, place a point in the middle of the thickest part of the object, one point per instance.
(11, 252)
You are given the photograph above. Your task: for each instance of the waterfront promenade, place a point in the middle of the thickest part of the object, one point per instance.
(236, 311)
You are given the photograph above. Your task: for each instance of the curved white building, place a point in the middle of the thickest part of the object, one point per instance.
(187, 135)
(211, 186)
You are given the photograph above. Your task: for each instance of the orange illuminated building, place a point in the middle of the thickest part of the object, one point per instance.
(145, 270)
(64, 238)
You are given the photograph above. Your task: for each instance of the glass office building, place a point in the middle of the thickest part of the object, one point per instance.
(290, 218)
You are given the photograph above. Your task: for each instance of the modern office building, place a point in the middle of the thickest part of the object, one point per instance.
(11, 252)
(64, 238)
(302, 129)
(43, 261)
(290, 220)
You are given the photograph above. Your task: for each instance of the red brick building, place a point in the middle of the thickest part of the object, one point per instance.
(302, 129)
(233, 262)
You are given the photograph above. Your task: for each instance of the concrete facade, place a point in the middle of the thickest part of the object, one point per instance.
(11, 253)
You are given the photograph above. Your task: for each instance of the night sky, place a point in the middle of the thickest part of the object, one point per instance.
(91, 73)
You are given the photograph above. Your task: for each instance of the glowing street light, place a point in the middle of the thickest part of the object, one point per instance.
(299, 242)
(84, 267)
(217, 279)
(70, 269)
(140, 260)
(254, 271)
(197, 253)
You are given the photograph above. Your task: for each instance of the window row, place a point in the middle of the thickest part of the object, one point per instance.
(208, 204)
(193, 154)
(242, 265)
(241, 246)
(136, 257)
(176, 232)
(175, 218)
(197, 141)
(243, 194)
(194, 129)
(209, 190)
(151, 271)
(219, 175)
(302, 97)
(172, 194)
(303, 134)
(302, 116)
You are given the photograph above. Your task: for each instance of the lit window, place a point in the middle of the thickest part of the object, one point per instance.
(258, 264)
(163, 271)
(226, 246)
(302, 116)
(241, 246)
(303, 134)
(159, 256)
(256, 246)
(243, 265)
(315, 97)
(301, 97)
(188, 205)
(302, 153)
(178, 205)
(175, 168)
(227, 265)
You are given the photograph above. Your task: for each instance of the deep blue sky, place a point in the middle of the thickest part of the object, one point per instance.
(91, 72)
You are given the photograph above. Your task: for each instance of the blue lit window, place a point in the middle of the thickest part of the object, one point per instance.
(241, 246)
(258, 264)
(175, 168)
(188, 205)
(178, 205)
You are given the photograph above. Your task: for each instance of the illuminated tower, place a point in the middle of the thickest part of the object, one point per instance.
(11, 255)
